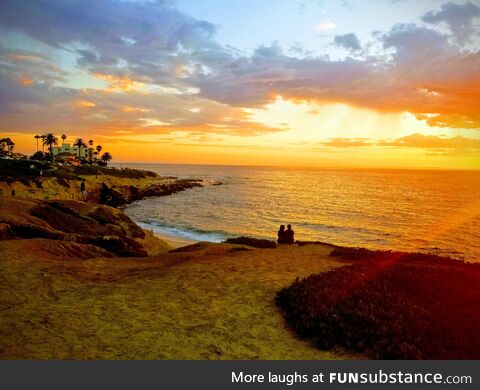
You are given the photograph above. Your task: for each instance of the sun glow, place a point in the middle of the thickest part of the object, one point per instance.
(313, 121)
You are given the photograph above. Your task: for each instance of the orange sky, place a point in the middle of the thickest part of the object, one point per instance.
(397, 95)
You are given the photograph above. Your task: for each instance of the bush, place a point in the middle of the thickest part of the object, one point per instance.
(41, 156)
(127, 173)
(304, 243)
(254, 242)
(416, 308)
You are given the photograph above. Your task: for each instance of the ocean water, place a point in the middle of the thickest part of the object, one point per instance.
(413, 210)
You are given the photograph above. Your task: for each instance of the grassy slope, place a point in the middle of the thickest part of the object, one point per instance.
(206, 304)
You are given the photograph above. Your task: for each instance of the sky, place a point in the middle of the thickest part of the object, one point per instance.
(371, 83)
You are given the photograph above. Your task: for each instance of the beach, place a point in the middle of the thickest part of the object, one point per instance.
(174, 241)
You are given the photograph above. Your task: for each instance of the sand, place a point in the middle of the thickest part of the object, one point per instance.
(174, 241)
(216, 302)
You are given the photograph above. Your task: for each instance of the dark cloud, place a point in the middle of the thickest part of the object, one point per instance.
(348, 41)
(458, 17)
(150, 37)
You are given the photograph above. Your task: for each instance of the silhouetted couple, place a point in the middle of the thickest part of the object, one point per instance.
(285, 236)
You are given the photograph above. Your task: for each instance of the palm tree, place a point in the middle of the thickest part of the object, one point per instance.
(50, 140)
(90, 150)
(98, 149)
(106, 157)
(37, 137)
(80, 143)
(63, 137)
(43, 144)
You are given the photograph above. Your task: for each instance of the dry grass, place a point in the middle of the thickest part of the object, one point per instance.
(212, 303)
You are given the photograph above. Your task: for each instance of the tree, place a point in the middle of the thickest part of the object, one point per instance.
(63, 137)
(40, 156)
(80, 143)
(6, 147)
(106, 157)
(37, 137)
(98, 150)
(43, 139)
(50, 140)
(90, 150)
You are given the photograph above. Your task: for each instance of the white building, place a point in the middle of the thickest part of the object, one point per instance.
(66, 148)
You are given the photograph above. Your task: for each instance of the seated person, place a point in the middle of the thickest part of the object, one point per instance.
(288, 235)
(281, 234)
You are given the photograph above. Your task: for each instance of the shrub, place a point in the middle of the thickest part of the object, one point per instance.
(254, 242)
(403, 309)
(304, 243)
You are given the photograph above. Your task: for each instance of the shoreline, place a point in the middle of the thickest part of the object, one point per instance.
(174, 241)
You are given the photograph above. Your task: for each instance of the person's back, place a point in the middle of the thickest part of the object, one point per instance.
(281, 234)
(289, 235)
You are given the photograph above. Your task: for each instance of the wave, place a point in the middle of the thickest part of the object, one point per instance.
(190, 233)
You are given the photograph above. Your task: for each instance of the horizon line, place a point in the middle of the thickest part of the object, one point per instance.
(341, 167)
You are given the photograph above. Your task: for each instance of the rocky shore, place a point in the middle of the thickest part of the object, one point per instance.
(47, 204)
(116, 196)
(108, 186)
(96, 230)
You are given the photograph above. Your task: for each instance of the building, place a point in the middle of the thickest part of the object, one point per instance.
(72, 150)
(6, 147)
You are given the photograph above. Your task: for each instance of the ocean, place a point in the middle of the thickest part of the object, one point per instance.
(427, 211)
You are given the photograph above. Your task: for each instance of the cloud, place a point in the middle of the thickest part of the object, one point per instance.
(348, 41)
(439, 145)
(458, 17)
(442, 145)
(425, 75)
(156, 58)
(347, 142)
(325, 25)
(119, 83)
(150, 38)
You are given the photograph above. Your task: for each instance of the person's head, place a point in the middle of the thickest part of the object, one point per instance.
(282, 227)
(289, 227)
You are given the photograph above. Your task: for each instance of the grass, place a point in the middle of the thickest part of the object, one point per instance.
(389, 305)
(211, 303)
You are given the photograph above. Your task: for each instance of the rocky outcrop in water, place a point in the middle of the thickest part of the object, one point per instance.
(121, 195)
(72, 221)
